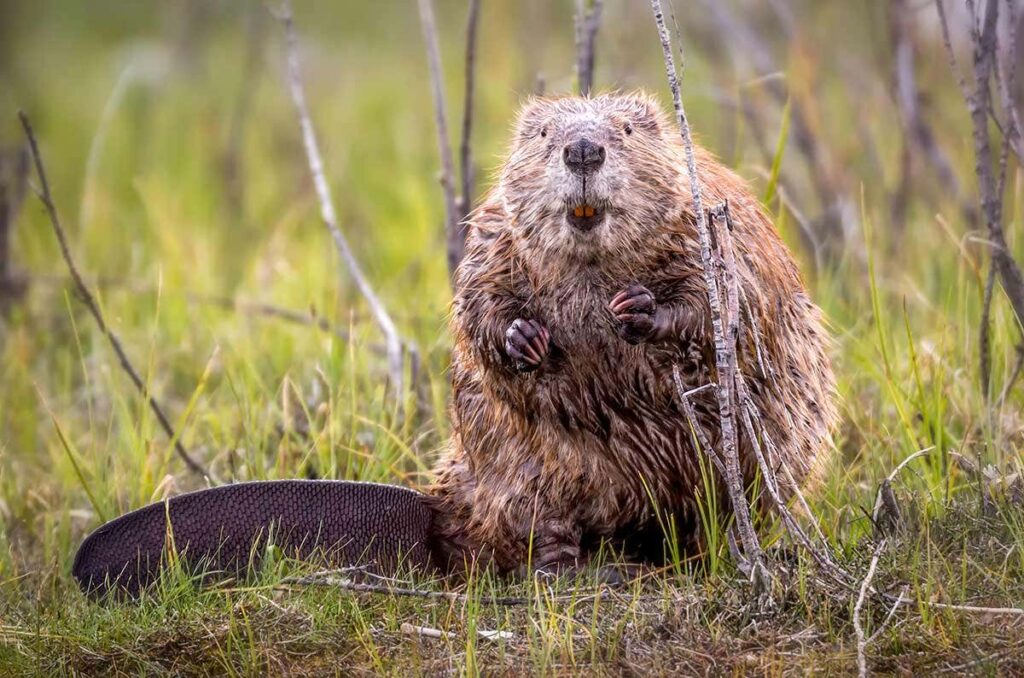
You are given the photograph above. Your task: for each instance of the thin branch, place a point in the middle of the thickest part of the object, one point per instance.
(466, 146)
(14, 169)
(94, 308)
(725, 354)
(454, 229)
(691, 418)
(908, 98)
(327, 211)
(820, 168)
(348, 584)
(862, 641)
(587, 23)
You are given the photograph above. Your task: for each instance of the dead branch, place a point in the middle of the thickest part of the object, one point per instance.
(919, 133)
(725, 353)
(327, 212)
(309, 318)
(588, 20)
(347, 583)
(865, 586)
(1007, 63)
(984, 42)
(820, 168)
(94, 308)
(454, 229)
(466, 146)
(691, 417)
(13, 180)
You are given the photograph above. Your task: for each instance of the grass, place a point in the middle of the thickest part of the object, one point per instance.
(154, 224)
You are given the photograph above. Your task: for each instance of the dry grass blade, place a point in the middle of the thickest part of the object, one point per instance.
(94, 308)
(329, 214)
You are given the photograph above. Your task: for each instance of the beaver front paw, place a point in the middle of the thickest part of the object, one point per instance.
(634, 311)
(527, 342)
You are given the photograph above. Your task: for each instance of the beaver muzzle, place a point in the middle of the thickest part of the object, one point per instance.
(585, 217)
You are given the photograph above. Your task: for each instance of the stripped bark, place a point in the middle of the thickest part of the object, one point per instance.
(328, 213)
(94, 308)
(725, 352)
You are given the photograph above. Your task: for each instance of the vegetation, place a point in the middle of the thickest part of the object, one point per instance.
(176, 163)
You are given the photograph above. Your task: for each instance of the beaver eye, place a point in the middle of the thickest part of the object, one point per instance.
(543, 131)
(628, 128)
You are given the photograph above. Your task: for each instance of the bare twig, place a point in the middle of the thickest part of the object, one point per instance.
(820, 168)
(908, 98)
(466, 146)
(13, 179)
(94, 308)
(588, 20)
(348, 584)
(725, 353)
(984, 41)
(862, 641)
(327, 211)
(454, 229)
(691, 417)
(291, 315)
(1018, 367)
(1007, 74)
(889, 615)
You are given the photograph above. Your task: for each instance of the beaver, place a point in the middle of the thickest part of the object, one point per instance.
(580, 290)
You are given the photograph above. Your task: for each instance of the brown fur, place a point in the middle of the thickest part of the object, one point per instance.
(572, 453)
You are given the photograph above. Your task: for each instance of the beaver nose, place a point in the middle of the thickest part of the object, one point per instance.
(583, 156)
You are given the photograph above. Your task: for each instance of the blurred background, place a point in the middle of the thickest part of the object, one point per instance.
(177, 165)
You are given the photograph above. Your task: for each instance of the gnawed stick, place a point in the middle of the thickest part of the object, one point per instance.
(94, 308)
(328, 213)
(725, 354)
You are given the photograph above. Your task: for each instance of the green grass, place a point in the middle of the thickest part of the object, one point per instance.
(156, 229)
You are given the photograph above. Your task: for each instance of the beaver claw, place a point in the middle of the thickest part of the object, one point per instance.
(634, 310)
(527, 342)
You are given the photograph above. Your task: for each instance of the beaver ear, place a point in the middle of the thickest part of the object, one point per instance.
(643, 110)
(531, 117)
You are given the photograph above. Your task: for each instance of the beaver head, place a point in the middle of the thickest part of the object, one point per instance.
(591, 177)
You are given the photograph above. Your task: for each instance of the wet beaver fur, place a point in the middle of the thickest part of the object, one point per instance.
(581, 287)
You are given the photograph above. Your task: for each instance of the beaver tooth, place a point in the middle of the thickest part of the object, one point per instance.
(588, 211)
(578, 211)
